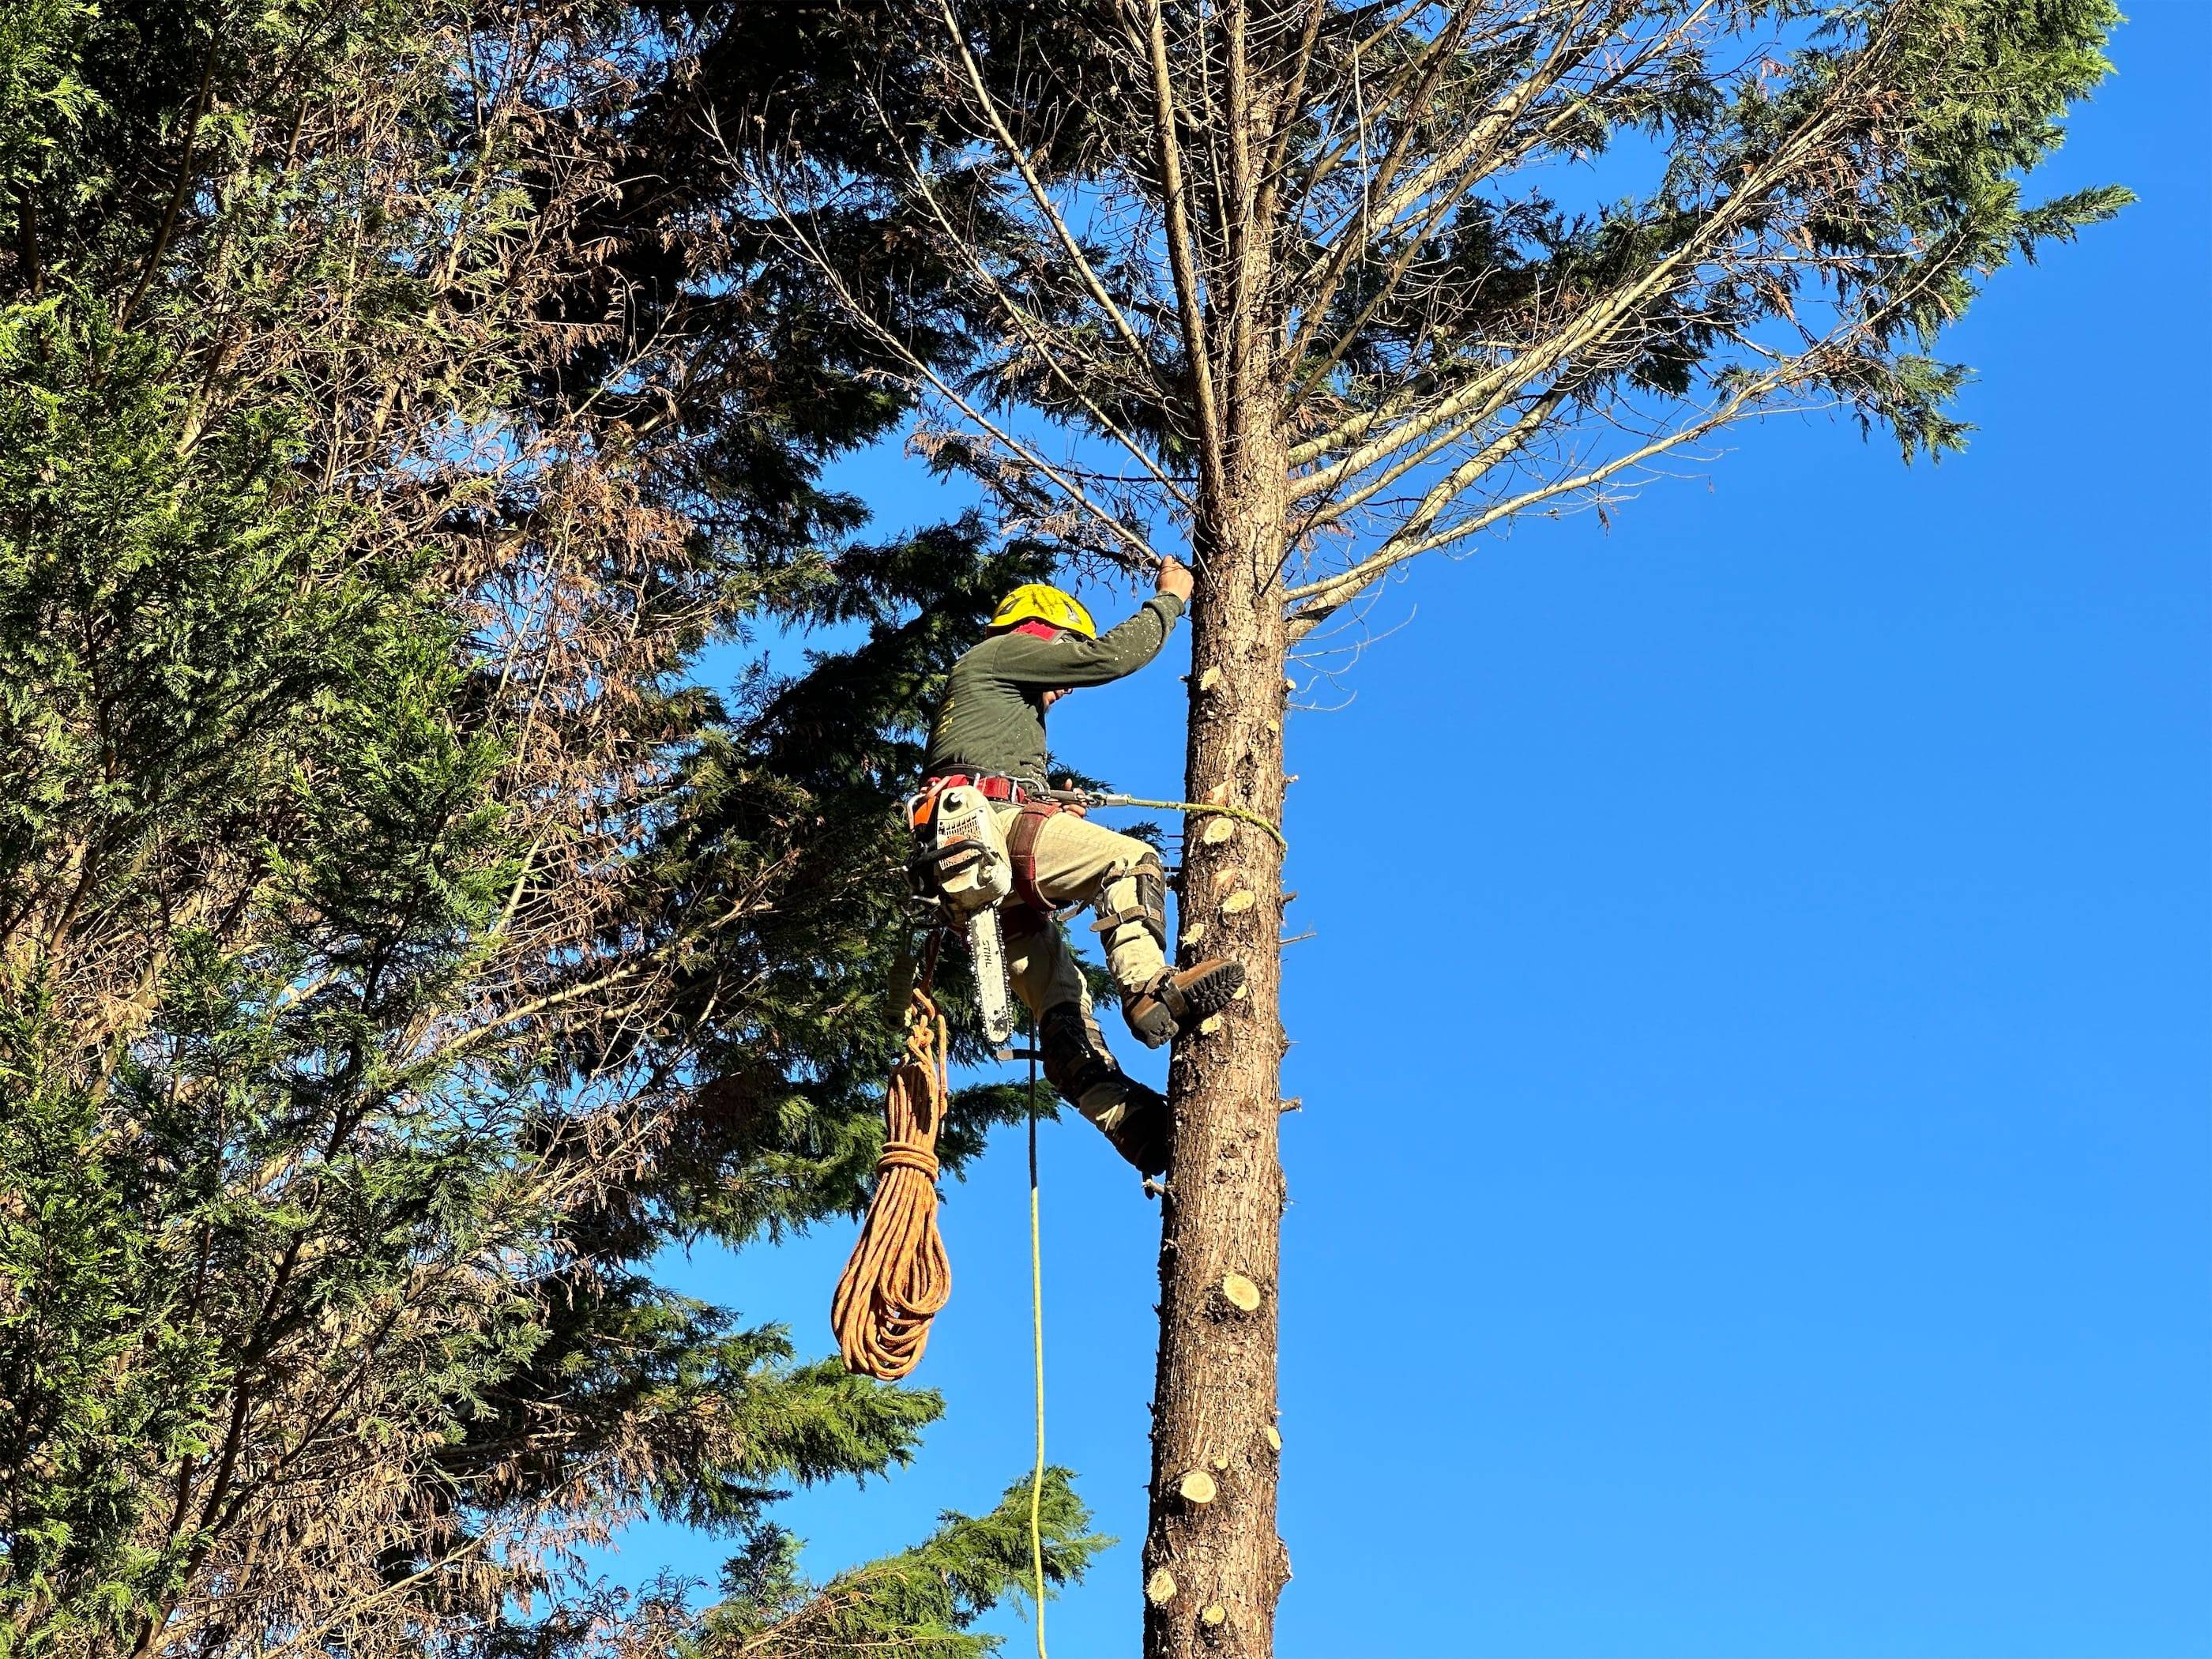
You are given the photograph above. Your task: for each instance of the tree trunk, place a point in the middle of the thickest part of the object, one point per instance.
(1213, 1564)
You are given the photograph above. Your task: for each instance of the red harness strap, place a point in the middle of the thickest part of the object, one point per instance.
(990, 786)
(1021, 846)
(1021, 923)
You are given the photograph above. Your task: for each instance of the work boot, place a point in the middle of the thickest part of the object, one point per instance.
(1174, 1002)
(1140, 1126)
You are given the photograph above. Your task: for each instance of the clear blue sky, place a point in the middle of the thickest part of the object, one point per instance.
(1752, 1195)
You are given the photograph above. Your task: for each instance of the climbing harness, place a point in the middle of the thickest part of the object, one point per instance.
(1021, 851)
(994, 785)
(899, 1279)
(1026, 791)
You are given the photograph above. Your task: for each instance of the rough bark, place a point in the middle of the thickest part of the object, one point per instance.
(1214, 1408)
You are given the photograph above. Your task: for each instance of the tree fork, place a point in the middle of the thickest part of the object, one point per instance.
(1213, 1408)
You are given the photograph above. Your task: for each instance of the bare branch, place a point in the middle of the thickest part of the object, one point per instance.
(1077, 262)
(1181, 262)
(1315, 601)
(1047, 345)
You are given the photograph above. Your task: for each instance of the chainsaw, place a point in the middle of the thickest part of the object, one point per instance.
(961, 863)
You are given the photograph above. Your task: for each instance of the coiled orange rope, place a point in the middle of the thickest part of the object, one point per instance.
(899, 1277)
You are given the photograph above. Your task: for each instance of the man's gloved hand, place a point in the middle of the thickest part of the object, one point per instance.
(1175, 577)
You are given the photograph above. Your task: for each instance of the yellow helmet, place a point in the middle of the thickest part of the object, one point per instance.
(1036, 602)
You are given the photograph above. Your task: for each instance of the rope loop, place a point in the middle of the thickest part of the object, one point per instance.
(907, 1158)
(899, 1279)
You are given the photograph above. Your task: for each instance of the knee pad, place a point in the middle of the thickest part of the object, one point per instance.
(1137, 897)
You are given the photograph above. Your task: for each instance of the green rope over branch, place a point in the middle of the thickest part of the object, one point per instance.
(1193, 806)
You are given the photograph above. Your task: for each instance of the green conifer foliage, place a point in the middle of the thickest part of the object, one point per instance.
(919, 1604)
(398, 950)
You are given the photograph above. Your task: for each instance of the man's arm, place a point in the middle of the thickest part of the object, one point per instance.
(1070, 661)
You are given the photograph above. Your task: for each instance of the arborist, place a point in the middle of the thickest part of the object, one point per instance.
(990, 734)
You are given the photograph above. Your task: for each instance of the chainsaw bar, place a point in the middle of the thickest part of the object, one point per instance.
(987, 948)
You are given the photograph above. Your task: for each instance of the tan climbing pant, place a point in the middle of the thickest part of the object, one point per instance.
(1080, 862)
(1078, 1064)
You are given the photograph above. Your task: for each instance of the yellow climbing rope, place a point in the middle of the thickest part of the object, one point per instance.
(899, 1279)
(1036, 1353)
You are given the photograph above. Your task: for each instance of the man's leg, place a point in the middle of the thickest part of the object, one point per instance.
(1076, 1062)
(1079, 862)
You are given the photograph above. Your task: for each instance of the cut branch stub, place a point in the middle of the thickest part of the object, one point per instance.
(1160, 1588)
(1218, 831)
(1241, 899)
(1240, 1292)
(1214, 1614)
(1274, 1438)
(1196, 1486)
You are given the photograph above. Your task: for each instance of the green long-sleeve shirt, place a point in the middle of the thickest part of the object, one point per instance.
(992, 720)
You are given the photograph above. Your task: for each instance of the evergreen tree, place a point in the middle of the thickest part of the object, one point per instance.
(396, 950)
(1295, 279)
